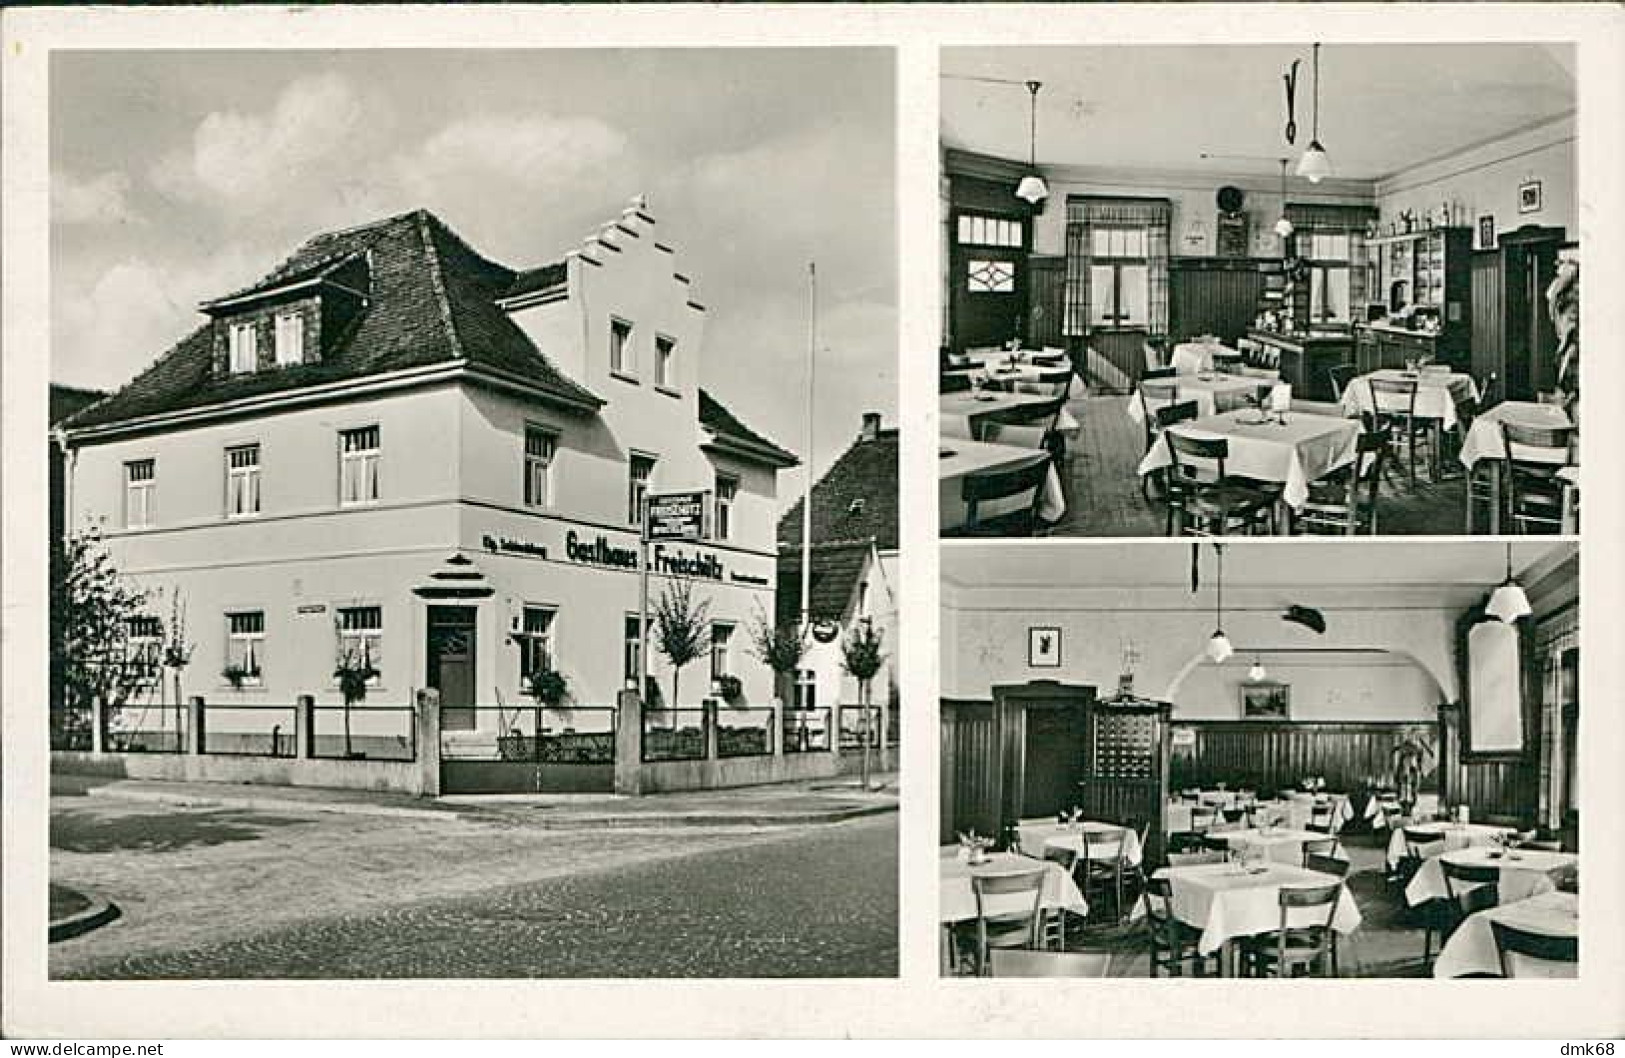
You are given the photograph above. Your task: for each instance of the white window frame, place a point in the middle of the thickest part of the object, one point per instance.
(726, 654)
(622, 362)
(354, 465)
(665, 361)
(806, 689)
(637, 489)
(143, 648)
(531, 642)
(243, 352)
(141, 494)
(1120, 248)
(538, 480)
(242, 481)
(722, 517)
(246, 646)
(365, 640)
(290, 339)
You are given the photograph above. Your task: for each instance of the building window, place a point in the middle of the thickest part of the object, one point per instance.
(361, 639)
(978, 230)
(806, 689)
(990, 277)
(535, 641)
(639, 470)
(144, 649)
(633, 650)
(140, 490)
(540, 445)
(242, 481)
(665, 362)
(245, 645)
(727, 489)
(245, 348)
(620, 349)
(358, 465)
(1119, 276)
(721, 649)
(290, 339)
(1329, 259)
(863, 598)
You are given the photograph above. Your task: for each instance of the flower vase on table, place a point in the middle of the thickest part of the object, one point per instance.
(973, 848)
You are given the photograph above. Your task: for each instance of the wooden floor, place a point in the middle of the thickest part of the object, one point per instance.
(1103, 489)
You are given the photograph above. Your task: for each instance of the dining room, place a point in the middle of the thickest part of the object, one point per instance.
(1280, 289)
(1237, 758)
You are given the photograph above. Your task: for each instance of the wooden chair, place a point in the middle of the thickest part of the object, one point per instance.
(1171, 943)
(1394, 401)
(1337, 868)
(1153, 373)
(1470, 887)
(1013, 962)
(1534, 493)
(995, 485)
(1154, 358)
(954, 382)
(1419, 845)
(1283, 951)
(1519, 948)
(1319, 848)
(1336, 503)
(1056, 383)
(1320, 815)
(1052, 936)
(1205, 495)
(1196, 859)
(1099, 869)
(1012, 434)
(1340, 375)
(1234, 815)
(1202, 819)
(1007, 929)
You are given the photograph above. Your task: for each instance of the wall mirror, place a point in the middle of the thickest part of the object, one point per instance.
(1494, 716)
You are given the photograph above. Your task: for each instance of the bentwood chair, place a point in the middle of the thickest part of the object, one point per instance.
(1022, 483)
(1525, 953)
(1345, 501)
(1534, 492)
(1290, 948)
(1018, 927)
(1204, 496)
(1340, 376)
(1013, 962)
(1171, 944)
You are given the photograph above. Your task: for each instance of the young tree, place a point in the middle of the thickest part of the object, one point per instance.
(861, 658)
(780, 647)
(95, 606)
(177, 651)
(680, 628)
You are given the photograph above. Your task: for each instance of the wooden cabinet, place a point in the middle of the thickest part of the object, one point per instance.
(1376, 345)
(1429, 272)
(1125, 770)
(1306, 360)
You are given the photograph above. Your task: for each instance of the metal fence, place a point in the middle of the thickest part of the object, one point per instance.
(71, 727)
(239, 730)
(152, 728)
(744, 732)
(806, 730)
(852, 727)
(368, 732)
(529, 734)
(673, 734)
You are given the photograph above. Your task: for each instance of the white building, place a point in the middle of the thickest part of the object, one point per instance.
(394, 447)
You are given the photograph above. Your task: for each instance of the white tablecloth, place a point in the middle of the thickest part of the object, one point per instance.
(1212, 393)
(1035, 837)
(1471, 948)
(1437, 393)
(958, 901)
(1456, 836)
(1226, 902)
(1281, 844)
(1194, 358)
(1307, 447)
(1483, 440)
(957, 457)
(963, 413)
(1530, 873)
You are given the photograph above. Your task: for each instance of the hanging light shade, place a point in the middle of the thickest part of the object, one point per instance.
(1283, 227)
(1257, 672)
(1032, 189)
(1315, 165)
(1509, 601)
(1219, 648)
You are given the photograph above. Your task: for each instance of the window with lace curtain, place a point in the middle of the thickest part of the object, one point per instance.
(1116, 264)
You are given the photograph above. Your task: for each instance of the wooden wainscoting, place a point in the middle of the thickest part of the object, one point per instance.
(1112, 361)
(1504, 791)
(1046, 301)
(1213, 295)
(968, 791)
(1275, 754)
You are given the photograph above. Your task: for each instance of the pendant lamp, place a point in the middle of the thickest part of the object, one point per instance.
(1509, 601)
(1315, 164)
(1257, 672)
(1283, 227)
(1033, 190)
(1218, 647)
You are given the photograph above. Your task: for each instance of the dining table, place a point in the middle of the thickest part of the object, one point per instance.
(1228, 902)
(1483, 451)
(1277, 844)
(957, 458)
(1213, 392)
(956, 897)
(1293, 448)
(1523, 872)
(1454, 836)
(1037, 836)
(1471, 948)
(963, 414)
(1438, 393)
(1202, 355)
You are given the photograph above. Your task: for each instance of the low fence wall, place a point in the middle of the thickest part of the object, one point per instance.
(376, 775)
(674, 775)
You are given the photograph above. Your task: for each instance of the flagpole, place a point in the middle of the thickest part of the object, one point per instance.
(807, 458)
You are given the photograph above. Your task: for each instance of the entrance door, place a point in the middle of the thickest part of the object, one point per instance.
(451, 646)
(987, 281)
(1054, 762)
(1531, 340)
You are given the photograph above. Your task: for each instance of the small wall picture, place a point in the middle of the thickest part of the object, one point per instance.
(1486, 232)
(1529, 197)
(1266, 700)
(1044, 648)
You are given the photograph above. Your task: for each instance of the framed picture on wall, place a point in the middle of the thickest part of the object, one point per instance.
(1266, 700)
(1529, 197)
(1486, 232)
(1044, 648)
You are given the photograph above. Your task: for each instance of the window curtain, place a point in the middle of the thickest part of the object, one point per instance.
(1083, 213)
(1555, 637)
(1308, 218)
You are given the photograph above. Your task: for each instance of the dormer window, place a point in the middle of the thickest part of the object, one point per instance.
(245, 349)
(290, 339)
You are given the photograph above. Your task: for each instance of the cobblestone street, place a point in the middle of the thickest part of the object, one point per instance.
(235, 894)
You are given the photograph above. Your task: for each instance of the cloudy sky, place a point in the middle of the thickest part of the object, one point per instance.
(181, 176)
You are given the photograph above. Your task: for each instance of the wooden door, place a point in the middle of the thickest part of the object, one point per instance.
(452, 642)
(1531, 341)
(987, 278)
(1054, 762)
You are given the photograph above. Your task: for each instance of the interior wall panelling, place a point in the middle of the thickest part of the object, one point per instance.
(1112, 361)
(1207, 296)
(1273, 755)
(1046, 294)
(1488, 301)
(968, 796)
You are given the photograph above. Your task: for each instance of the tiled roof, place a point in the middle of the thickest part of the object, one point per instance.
(280, 278)
(533, 279)
(432, 300)
(836, 568)
(856, 498)
(66, 400)
(724, 423)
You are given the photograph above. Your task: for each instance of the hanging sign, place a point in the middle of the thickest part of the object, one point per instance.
(825, 631)
(676, 516)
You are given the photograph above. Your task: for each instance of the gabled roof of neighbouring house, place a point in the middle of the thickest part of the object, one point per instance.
(431, 299)
(837, 567)
(726, 427)
(68, 400)
(856, 498)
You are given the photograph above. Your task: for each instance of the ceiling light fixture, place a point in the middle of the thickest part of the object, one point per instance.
(1257, 672)
(1509, 601)
(1033, 190)
(1283, 227)
(1218, 647)
(1315, 165)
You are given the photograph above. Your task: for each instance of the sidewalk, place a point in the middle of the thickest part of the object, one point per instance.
(821, 801)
